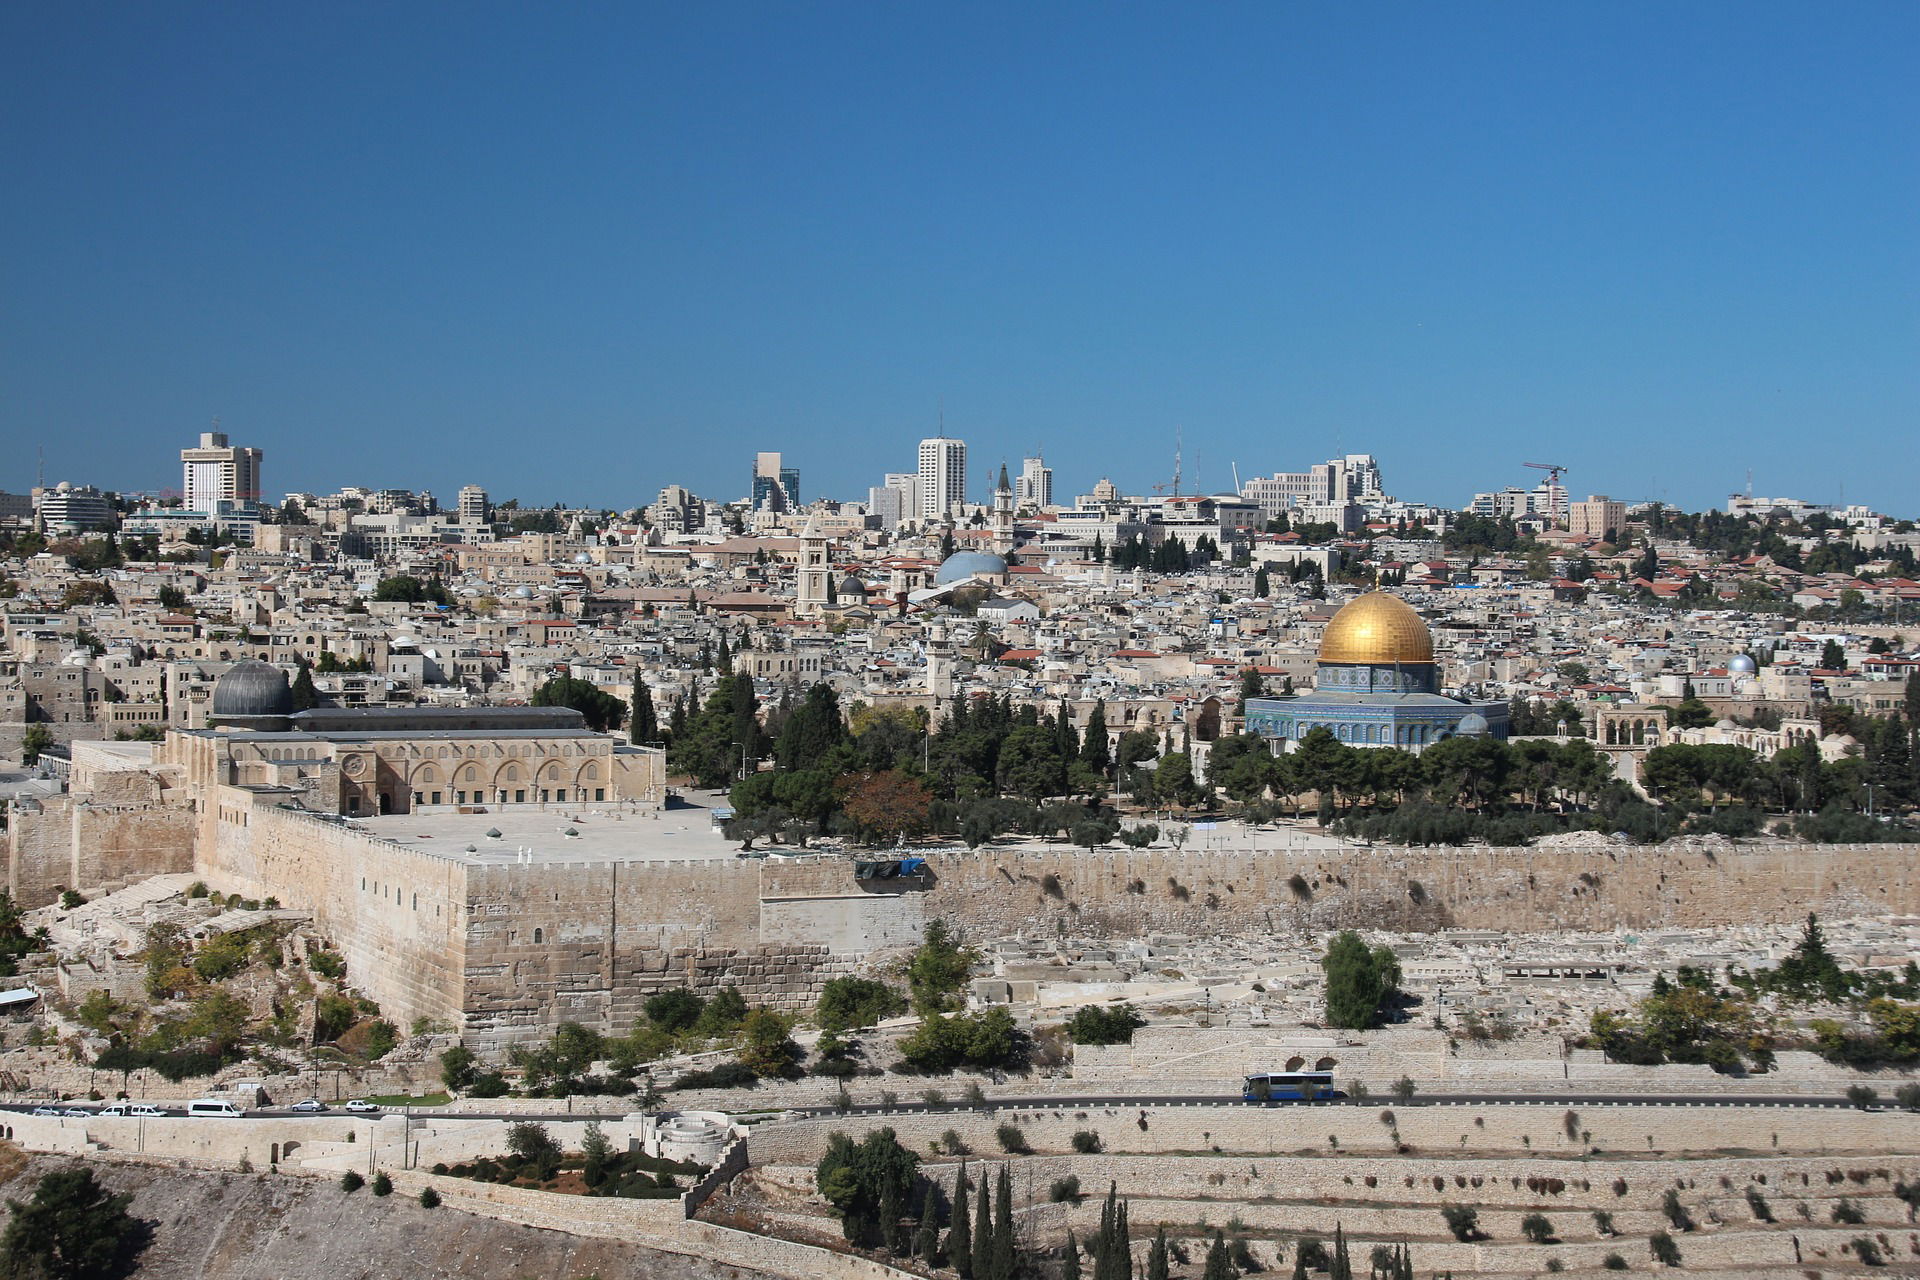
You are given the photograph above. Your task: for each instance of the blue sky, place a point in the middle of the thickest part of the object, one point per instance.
(575, 252)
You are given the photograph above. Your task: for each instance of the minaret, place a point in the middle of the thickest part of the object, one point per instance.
(814, 569)
(1003, 515)
(939, 662)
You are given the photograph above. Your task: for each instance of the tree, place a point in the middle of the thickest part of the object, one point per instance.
(1219, 1265)
(532, 1143)
(33, 742)
(1096, 752)
(407, 589)
(457, 1066)
(1359, 981)
(603, 711)
(890, 804)
(1262, 586)
(1833, 657)
(960, 1234)
(642, 720)
(813, 730)
(71, 1229)
(939, 969)
(1094, 1024)
(856, 1002)
(305, 696)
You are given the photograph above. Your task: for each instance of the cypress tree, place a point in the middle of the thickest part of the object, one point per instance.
(926, 1240)
(722, 659)
(1122, 1245)
(1299, 1261)
(1219, 1266)
(1064, 736)
(960, 1234)
(1157, 1256)
(644, 722)
(1070, 1266)
(1103, 1243)
(1003, 1249)
(890, 1211)
(1095, 751)
(1342, 1268)
(305, 696)
(983, 1234)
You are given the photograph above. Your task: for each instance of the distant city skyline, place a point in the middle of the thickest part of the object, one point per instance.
(578, 255)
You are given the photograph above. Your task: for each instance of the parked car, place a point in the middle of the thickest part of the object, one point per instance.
(117, 1109)
(310, 1105)
(78, 1113)
(46, 1111)
(361, 1105)
(144, 1109)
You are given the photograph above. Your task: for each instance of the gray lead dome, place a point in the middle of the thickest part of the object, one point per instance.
(251, 691)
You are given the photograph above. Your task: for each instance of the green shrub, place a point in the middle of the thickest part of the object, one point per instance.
(1664, 1250)
(1065, 1190)
(429, 1198)
(728, 1075)
(382, 1184)
(1095, 1025)
(1848, 1212)
(351, 1182)
(1464, 1223)
(1011, 1139)
(1537, 1228)
(1086, 1142)
(1614, 1262)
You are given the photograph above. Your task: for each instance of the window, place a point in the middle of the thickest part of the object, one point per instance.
(599, 793)
(436, 797)
(537, 934)
(520, 797)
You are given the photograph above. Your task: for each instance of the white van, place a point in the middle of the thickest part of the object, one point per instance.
(212, 1107)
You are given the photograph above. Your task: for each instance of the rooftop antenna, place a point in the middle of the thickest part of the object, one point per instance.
(1178, 439)
(40, 471)
(1236, 476)
(1749, 484)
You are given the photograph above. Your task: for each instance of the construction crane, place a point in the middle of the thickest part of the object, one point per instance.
(1557, 511)
(1553, 469)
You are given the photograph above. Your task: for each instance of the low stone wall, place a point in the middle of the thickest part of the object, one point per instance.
(1639, 1131)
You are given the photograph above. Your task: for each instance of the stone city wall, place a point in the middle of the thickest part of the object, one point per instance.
(73, 842)
(1128, 893)
(589, 942)
(397, 914)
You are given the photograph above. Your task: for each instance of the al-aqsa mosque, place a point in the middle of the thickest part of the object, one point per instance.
(1376, 685)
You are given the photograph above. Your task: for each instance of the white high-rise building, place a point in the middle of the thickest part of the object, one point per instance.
(1034, 488)
(473, 505)
(943, 476)
(213, 471)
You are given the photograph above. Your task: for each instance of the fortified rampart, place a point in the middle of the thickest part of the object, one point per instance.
(398, 915)
(509, 950)
(1127, 893)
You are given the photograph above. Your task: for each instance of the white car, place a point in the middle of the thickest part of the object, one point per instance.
(310, 1105)
(117, 1109)
(46, 1111)
(144, 1109)
(360, 1105)
(78, 1113)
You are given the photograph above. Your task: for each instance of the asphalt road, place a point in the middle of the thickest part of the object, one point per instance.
(1153, 1100)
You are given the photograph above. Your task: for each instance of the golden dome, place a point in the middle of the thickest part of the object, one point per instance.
(1376, 628)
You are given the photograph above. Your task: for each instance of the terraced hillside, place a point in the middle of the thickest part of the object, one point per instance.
(1728, 1191)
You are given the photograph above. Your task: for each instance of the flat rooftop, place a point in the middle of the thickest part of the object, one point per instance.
(601, 833)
